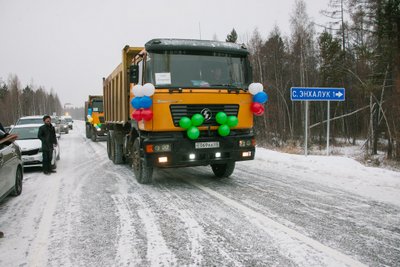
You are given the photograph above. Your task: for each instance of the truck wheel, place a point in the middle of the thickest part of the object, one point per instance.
(109, 147)
(88, 132)
(118, 152)
(143, 173)
(224, 169)
(93, 135)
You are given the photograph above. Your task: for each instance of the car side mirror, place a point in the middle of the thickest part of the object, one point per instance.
(134, 74)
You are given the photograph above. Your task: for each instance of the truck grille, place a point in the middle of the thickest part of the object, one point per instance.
(179, 111)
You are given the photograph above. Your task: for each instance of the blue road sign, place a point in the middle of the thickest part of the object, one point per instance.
(317, 94)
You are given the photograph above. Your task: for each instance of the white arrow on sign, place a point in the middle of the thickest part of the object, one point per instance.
(338, 94)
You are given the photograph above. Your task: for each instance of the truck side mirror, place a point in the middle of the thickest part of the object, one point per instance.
(134, 74)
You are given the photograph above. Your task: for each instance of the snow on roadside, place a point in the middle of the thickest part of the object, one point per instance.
(334, 171)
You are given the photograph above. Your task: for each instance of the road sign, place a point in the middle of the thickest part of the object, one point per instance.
(317, 94)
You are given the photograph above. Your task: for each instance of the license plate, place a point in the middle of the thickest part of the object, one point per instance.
(201, 145)
(25, 159)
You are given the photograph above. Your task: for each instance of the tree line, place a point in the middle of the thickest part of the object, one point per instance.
(17, 101)
(358, 49)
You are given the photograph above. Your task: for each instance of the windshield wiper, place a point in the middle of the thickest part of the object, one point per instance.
(228, 86)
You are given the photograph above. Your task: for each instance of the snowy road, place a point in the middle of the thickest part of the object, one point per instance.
(94, 213)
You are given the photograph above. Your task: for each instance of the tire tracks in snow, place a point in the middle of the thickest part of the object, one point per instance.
(157, 251)
(293, 244)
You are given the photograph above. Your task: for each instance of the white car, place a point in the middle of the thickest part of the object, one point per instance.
(31, 146)
(69, 121)
(38, 119)
(10, 168)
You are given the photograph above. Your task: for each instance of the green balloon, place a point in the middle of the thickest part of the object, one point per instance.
(232, 121)
(221, 117)
(224, 130)
(197, 119)
(185, 122)
(193, 132)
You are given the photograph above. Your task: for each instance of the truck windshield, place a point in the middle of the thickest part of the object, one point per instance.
(189, 70)
(97, 106)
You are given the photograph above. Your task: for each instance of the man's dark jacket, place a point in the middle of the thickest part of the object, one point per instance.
(47, 134)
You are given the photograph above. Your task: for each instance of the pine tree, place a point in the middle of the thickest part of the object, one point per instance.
(232, 37)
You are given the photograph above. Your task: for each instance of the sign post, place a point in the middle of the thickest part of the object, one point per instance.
(317, 94)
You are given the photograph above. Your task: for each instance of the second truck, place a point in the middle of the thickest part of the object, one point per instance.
(179, 103)
(94, 118)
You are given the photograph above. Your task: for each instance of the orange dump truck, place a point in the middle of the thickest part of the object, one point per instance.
(94, 118)
(178, 103)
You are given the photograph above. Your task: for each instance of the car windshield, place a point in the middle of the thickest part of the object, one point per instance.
(190, 70)
(68, 119)
(26, 132)
(97, 106)
(30, 121)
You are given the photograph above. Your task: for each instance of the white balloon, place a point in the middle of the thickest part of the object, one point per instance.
(148, 89)
(137, 90)
(255, 88)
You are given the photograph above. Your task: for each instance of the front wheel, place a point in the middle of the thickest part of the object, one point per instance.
(143, 172)
(93, 135)
(224, 169)
(88, 131)
(18, 183)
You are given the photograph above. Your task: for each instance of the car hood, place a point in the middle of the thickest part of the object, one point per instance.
(29, 144)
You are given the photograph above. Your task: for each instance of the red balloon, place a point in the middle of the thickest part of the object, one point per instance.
(147, 114)
(137, 115)
(260, 112)
(256, 107)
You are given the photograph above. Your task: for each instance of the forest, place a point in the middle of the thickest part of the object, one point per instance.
(359, 50)
(17, 101)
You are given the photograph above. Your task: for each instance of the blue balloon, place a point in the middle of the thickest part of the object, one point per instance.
(260, 97)
(90, 111)
(146, 102)
(136, 102)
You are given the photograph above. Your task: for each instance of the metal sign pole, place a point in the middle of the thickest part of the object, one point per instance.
(306, 131)
(327, 127)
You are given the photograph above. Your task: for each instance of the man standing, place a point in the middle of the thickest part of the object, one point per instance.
(47, 135)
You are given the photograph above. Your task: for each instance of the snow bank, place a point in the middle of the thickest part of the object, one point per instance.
(340, 172)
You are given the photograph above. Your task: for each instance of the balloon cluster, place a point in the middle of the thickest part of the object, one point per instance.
(191, 125)
(259, 98)
(97, 126)
(227, 122)
(90, 119)
(142, 102)
(89, 116)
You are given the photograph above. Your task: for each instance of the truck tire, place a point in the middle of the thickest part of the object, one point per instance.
(143, 173)
(118, 152)
(88, 131)
(109, 147)
(224, 169)
(93, 134)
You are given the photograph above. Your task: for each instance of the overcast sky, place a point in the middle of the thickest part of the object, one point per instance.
(69, 45)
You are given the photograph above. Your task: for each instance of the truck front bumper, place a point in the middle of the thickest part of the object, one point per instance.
(205, 150)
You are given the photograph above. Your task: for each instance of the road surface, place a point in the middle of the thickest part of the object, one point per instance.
(94, 213)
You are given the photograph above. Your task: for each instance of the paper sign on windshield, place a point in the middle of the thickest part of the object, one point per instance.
(163, 78)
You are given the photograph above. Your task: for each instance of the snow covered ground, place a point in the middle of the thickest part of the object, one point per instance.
(278, 210)
(334, 171)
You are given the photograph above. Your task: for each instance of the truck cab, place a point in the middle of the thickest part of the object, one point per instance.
(195, 87)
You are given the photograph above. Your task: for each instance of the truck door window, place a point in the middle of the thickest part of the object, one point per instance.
(140, 64)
